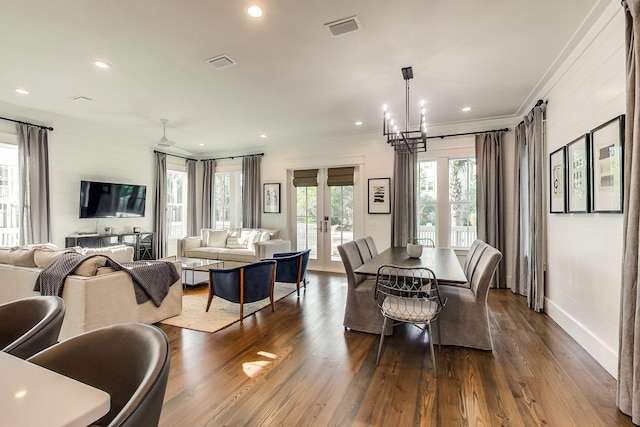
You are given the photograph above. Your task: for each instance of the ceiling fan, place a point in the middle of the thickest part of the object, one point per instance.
(164, 141)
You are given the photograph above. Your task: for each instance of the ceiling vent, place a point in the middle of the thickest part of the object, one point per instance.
(81, 98)
(221, 61)
(343, 26)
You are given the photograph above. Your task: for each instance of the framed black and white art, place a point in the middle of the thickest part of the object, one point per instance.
(578, 175)
(379, 195)
(557, 188)
(606, 156)
(271, 198)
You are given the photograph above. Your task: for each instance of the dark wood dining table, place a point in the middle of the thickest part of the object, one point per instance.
(443, 262)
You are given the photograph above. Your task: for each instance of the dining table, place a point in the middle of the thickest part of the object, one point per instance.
(442, 261)
(31, 395)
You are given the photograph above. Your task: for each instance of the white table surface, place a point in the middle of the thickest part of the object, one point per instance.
(31, 395)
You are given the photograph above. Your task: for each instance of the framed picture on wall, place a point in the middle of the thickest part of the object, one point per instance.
(379, 195)
(557, 190)
(271, 198)
(606, 156)
(578, 175)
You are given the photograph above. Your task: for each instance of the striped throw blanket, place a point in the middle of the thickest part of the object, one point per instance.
(151, 279)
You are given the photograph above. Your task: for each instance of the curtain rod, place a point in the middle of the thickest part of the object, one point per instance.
(174, 155)
(27, 123)
(233, 157)
(468, 133)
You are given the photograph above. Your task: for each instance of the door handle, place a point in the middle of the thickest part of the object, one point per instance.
(325, 226)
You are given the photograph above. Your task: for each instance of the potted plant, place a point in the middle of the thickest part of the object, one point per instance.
(414, 247)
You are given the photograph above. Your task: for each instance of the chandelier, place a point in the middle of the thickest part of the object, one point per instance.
(405, 141)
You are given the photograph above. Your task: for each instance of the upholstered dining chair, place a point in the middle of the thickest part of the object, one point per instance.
(361, 312)
(363, 249)
(130, 361)
(372, 245)
(29, 325)
(465, 322)
(249, 283)
(408, 295)
(291, 267)
(470, 261)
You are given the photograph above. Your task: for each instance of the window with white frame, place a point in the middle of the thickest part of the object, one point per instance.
(227, 191)
(9, 195)
(176, 204)
(446, 200)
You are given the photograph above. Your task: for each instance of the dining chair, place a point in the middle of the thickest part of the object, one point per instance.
(249, 283)
(291, 267)
(470, 261)
(361, 312)
(428, 242)
(372, 245)
(409, 295)
(29, 325)
(363, 249)
(130, 361)
(465, 322)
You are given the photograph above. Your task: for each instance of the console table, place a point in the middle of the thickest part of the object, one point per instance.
(142, 242)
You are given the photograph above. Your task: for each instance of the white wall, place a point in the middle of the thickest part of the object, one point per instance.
(585, 250)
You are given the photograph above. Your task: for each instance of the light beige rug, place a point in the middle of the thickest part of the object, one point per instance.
(222, 313)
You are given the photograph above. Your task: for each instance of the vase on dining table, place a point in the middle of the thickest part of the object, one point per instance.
(414, 250)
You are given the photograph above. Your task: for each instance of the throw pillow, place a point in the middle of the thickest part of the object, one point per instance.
(264, 236)
(233, 241)
(217, 238)
(273, 233)
(104, 270)
(90, 266)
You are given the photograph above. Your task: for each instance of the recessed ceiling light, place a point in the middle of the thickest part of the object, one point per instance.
(358, 123)
(465, 109)
(201, 145)
(263, 136)
(22, 91)
(254, 11)
(102, 64)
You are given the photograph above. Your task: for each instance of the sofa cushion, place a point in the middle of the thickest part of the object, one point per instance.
(90, 266)
(43, 257)
(208, 253)
(23, 256)
(4, 255)
(119, 253)
(242, 255)
(216, 238)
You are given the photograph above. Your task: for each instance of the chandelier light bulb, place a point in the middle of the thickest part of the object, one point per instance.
(393, 122)
(387, 116)
(422, 102)
(384, 107)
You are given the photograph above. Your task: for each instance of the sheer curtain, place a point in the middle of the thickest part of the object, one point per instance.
(530, 243)
(628, 396)
(33, 164)
(160, 212)
(208, 181)
(251, 216)
(490, 197)
(403, 211)
(192, 219)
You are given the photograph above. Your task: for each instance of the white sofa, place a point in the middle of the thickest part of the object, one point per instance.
(100, 297)
(235, 247)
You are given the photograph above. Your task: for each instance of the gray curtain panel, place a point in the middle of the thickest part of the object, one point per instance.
(34, 204)
(403, 209)
(490, 197)
(251, 206)
(530, 215)
(628, 396)
(519, 280)
(192, 219)
(160, 212)
(208, 181)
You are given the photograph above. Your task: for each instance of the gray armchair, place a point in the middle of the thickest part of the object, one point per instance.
(30, 325)
(130, 361)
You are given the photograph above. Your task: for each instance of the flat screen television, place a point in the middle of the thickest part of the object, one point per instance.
(110, 200)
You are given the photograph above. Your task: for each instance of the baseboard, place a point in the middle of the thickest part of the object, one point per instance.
(602, 353)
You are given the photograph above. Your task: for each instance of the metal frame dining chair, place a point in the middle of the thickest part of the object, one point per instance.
(409, 295)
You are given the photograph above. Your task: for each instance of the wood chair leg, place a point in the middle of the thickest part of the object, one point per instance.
(210, 295)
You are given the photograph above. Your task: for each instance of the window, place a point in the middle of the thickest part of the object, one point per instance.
(447, 200)
(176, 204)
(227, 189)
(9, 195)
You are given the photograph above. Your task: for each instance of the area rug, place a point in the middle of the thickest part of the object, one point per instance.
(222, 313)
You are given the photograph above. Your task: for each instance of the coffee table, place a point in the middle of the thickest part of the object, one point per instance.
(197, 264)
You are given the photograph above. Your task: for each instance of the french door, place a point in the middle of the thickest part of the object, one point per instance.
(324, 218)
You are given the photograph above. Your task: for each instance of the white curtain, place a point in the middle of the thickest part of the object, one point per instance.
(160, 212)
(192, 219)
(251, 206)
(490, 197)
(403, 211)
(208, 180)
(34, 204)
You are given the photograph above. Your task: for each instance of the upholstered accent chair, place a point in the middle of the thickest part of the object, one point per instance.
(291, 267)
(130, 361)
(361, 311)
(249, 283)
(29, 325)
(465, 321)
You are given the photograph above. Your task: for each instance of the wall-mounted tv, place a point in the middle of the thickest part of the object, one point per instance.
(110, 200)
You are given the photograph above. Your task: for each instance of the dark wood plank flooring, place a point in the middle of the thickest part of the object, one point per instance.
(299, 367)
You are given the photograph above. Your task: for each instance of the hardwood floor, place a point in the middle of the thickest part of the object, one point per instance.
(299, 367)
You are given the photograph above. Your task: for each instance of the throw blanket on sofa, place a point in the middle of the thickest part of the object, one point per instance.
(151, 279)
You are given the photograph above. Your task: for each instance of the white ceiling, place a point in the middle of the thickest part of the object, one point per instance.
(293, 81)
